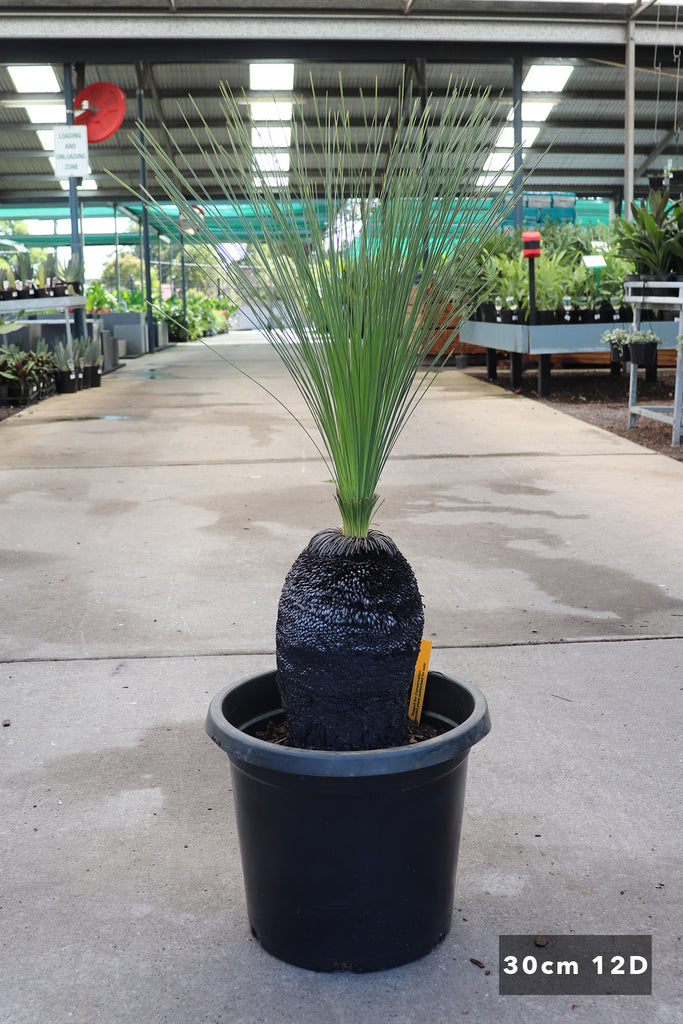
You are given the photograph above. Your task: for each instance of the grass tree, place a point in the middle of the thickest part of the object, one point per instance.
(366, 243)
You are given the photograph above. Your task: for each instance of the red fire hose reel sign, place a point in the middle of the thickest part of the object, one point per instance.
(101, 107)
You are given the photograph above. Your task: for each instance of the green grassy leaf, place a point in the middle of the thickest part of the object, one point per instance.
(355, 317)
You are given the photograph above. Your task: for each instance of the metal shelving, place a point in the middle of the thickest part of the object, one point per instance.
(659, 294)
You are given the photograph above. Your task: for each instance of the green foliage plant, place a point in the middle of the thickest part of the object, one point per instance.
(613, 275)
(71, 272)
(354, 343)
(92, 353)
(581, 286)
(97, 299)
(50, 267)
(200, 317)
(513, 282)
(25, 373)
(6, 273)
(22, 267)
(551, 274)
(63, 357)
(8, 324)
(652, 239)
(619, 338)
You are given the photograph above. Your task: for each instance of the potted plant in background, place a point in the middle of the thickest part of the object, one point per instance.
(550, 277)
(513, 288)
(23, 273)
(71, 273)
(92, 364)
(65, 368)
(349, 833)
(27, 375)
(478, 278)
(652, 239)
(641, 345)
(97, 300)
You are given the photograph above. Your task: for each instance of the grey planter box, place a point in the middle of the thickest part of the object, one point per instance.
(555, 339)
(131, 328)
(110, 352)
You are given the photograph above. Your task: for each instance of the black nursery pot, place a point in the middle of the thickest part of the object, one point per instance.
(349, 858)
(65, 382)
(92, 376)
(643, 353)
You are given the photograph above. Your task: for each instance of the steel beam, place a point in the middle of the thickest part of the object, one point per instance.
(147, 259)
(629, 115)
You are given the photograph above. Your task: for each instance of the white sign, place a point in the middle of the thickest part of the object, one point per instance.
(71, 151)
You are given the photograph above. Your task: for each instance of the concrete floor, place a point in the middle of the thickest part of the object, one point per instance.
(145, 531)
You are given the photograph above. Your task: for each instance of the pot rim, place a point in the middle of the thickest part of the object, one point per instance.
(241, 746)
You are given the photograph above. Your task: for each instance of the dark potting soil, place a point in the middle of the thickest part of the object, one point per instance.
(276, 732)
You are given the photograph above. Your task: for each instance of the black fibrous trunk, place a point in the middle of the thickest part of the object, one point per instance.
(349, 626)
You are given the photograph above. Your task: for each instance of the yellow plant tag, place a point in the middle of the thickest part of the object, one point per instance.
(419, 680)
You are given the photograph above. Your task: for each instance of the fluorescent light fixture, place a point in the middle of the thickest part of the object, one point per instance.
(272, 180)
(271, 77)
(43, 113)
(271, 137)
(506, 138)
(272, 163)
(498, 161)
(499, 179)
(34, 78)
(547, 77)
(268, 111)
(533, 111)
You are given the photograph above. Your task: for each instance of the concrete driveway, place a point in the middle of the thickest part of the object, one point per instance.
(146, 528)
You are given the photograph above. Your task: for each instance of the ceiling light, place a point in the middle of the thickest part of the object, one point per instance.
(271, 77)
(498, 161)
(533, 111)
(494, 179)
(42, 113)
(34, 78)
(272, 180)
(506, 137)
(271, 137)
(271, 162)
(547, 77)
(271, 111)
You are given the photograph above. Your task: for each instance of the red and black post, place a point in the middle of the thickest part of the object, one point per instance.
(531, 241)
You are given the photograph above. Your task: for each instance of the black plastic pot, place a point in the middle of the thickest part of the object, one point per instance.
(348, 858)
(643, 353)
(65, 382)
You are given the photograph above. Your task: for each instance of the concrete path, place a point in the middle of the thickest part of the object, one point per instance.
(145, 531)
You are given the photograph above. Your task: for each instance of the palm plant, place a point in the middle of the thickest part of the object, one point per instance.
(359, 267)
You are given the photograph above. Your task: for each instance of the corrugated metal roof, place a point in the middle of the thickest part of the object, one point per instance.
(584, 130)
